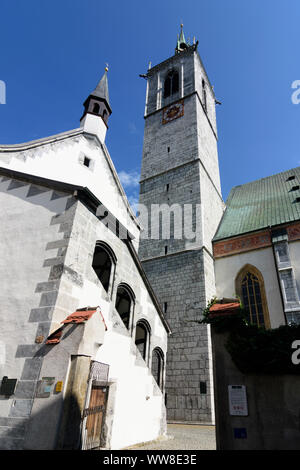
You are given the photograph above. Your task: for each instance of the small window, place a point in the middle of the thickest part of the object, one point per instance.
(141, 338)
(165, 307)
(166, 250)
(294, 188)
(290, 178)
(203, 388)
(96, 108)
(167, 187)
(124, 303)
(157, 366)
(168, 149)
(86, 161)
(102, 264)
(171, 85)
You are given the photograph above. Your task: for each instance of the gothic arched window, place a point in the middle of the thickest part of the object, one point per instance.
(250, 287)
(142, 335)
(157, 366)
(124, 304)
(171, 85)
(103, 264)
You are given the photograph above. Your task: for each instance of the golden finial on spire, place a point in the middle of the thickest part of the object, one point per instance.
(106, 68)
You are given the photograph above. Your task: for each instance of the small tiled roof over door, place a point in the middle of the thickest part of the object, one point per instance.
(267, 202)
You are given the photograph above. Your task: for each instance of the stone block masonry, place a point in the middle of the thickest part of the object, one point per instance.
(180, 168)
(178, 281)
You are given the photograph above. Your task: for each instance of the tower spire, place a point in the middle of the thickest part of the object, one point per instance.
(181, 42)
(97, 109)
(101, 90)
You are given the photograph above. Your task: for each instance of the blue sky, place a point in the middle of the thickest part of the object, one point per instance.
(54, 52)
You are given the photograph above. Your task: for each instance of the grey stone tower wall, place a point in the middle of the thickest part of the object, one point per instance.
(179, 280)
(180, 166)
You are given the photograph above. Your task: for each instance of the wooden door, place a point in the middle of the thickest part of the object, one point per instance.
(94, 417)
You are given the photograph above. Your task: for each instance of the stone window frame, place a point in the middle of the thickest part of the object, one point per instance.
(249, 268)
(131, 294)
(147, 327)
(167, 76)
(113, 259)
(160, 354)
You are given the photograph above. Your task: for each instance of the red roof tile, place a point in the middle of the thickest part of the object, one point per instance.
(218, 310)
(79, 316)
(54, 338)
(82, 315)
(223, 307)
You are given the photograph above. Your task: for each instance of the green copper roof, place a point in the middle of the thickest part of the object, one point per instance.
(181, 42)
(263, 203)
(181, 37)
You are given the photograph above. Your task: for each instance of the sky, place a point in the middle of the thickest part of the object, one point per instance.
(53, 53)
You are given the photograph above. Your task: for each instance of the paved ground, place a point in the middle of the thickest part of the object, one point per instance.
(184, 437)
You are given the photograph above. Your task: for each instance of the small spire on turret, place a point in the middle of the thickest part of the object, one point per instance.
(181, 42)
(97, 109)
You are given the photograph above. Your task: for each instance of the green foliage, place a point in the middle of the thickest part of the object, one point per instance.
(255, 349)
(223, 323)
(258, 350)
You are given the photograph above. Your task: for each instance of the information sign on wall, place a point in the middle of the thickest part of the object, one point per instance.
(238, 405)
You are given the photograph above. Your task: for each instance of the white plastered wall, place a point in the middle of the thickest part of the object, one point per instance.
(61, 159)
(138, 402)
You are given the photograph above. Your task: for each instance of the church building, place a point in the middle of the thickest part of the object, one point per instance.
(100, 341)
(257, 250)
(180, 171)
(83, 337)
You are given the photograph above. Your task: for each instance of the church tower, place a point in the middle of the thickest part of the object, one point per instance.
(180, 208)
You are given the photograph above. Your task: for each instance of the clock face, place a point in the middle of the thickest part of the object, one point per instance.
(173, 111)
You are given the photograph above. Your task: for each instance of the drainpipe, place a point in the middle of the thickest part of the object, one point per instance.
(277, 274)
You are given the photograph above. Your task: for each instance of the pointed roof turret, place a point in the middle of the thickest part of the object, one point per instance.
(181, 42)
(97, 109)
(101, 90)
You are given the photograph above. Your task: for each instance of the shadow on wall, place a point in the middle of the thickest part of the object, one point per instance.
(43, 433)
(69, 437)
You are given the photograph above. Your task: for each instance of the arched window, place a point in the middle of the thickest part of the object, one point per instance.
(171, 85)
(96, 108)
(124, 304)
(142, 334)
(157, 366)
(250, 287)
(204, 100)
(103, 264)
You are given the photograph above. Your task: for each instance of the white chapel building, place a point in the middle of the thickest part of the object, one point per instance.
(100, 340)
(83, 337)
